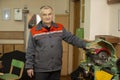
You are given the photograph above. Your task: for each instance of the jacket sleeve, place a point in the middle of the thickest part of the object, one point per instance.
(72, 39)
(30, 53)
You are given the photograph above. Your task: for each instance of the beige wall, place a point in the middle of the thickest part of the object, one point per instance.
(96, 18)
(33, 6)
(113, 19)
(101, 18)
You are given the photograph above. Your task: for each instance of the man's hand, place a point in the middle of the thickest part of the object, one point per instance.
(30, 72)
(91, 45)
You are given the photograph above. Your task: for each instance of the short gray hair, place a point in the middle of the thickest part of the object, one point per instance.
(45, 7)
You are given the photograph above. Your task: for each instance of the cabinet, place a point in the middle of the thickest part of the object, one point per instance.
(109, 38)
(113, 1)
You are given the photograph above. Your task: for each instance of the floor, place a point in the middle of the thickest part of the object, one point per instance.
(62, 78)
(65, 78)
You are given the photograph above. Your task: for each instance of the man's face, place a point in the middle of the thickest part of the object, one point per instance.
(47, 16)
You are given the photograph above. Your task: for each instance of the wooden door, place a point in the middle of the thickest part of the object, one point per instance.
(76, 25)
(64, 19)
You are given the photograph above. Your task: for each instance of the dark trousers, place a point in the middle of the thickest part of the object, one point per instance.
(54, 75)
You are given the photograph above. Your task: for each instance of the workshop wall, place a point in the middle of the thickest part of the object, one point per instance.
(114, 19)
(33, 6)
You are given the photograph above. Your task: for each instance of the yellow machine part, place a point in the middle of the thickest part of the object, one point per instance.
(103, 75)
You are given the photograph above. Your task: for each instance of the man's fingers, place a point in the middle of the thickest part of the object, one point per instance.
(30, 73)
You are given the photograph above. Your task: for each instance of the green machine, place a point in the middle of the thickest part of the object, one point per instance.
(99, 64)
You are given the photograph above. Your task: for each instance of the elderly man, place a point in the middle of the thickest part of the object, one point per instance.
(44, 52)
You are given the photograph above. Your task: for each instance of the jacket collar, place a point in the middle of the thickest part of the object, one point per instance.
(40, 25)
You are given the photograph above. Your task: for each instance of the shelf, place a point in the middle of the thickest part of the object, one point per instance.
(113, 1)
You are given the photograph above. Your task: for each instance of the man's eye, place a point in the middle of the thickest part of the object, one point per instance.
(44, 14)
(50, 13)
